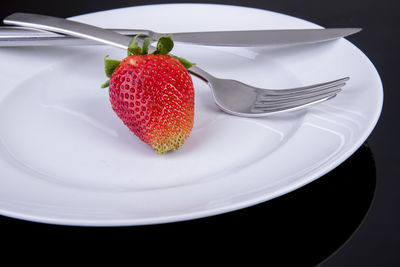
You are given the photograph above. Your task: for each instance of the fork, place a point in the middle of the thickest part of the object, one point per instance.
(231, 96)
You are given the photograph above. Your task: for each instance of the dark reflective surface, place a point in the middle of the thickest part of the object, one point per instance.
(300, 228)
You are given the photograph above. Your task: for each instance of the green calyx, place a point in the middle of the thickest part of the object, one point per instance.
(109, 66)
(163, 47)
(135, 49)
(186, 63)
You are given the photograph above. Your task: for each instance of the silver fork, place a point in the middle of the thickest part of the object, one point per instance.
(231, 96)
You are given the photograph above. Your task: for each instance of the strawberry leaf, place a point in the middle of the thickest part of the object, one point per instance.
(146, 43)
(105, 84)
(186, 63)
(133, 47)
(164, 45)
(110, 65)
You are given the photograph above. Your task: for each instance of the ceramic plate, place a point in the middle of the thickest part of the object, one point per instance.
(65, 157)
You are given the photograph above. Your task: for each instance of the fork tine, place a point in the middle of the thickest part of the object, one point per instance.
(292, 104)
(303, 89)
(285, 98)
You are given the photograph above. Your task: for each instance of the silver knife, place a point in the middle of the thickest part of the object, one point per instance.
(23, 36)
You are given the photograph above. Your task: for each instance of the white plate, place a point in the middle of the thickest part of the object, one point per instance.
(65, 157)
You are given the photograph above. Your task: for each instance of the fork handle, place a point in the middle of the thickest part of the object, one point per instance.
(86, 31)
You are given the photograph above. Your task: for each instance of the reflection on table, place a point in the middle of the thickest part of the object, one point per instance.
(301, 228)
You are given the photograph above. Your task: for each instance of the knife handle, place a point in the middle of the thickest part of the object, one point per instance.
(23, 36)
(69, 27)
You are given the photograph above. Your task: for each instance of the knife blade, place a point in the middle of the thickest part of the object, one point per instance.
(23, 36)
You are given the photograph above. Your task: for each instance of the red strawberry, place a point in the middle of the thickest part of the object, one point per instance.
(153, 94)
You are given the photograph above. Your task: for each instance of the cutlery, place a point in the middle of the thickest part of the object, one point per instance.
(20, 36)
(231, 96)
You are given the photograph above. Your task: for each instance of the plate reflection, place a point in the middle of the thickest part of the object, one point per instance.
(301, 228)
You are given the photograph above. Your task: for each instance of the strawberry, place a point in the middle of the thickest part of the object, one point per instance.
(153, 94)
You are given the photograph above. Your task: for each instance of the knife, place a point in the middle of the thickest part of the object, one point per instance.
(24, 36)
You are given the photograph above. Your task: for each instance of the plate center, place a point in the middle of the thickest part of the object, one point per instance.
(59, 126)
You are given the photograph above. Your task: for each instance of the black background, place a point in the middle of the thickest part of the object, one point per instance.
(349, 217)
